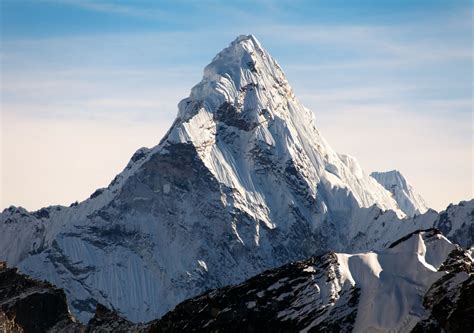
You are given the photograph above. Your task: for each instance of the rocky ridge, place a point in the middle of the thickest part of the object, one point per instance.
(332, 292)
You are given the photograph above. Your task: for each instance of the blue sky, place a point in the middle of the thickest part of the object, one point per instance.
(85, 83)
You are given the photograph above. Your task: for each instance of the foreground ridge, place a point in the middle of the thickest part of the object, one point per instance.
(332, 292)
(344, 292)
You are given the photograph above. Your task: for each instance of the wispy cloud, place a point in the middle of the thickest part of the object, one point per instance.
(115, 7)
(404, 42)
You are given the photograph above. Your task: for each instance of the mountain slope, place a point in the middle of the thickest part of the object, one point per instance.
(27, 305)
(407, 199)
(420, 283)
(457, 223)
(396, 290)
(242, 182)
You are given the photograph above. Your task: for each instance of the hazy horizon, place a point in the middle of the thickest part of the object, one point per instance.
(86, 83)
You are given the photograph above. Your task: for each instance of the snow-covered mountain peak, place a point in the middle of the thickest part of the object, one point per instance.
(243, 118)
(402, 191)
(242, 77)
(244, 62)
(244, 52)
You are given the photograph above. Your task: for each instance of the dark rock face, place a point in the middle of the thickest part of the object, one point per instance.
(460, 233)
(96, 193)
(450, 300)
(28, 305)
(139, 154)
(431, 231)
(307, 295)
(106, 320)
(280, 300)
(230, 116)
(42, 213)
(288, 299)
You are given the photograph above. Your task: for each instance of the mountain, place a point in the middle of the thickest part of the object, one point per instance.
(407, 199)
(420, 283)
(457, 222)
(28, 305)
(242, 182)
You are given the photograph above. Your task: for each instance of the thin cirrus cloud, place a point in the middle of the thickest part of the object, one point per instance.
(394, 93)
(114, 8)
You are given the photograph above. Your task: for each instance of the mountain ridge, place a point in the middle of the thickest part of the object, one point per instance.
(331, 292)
(404, 194)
